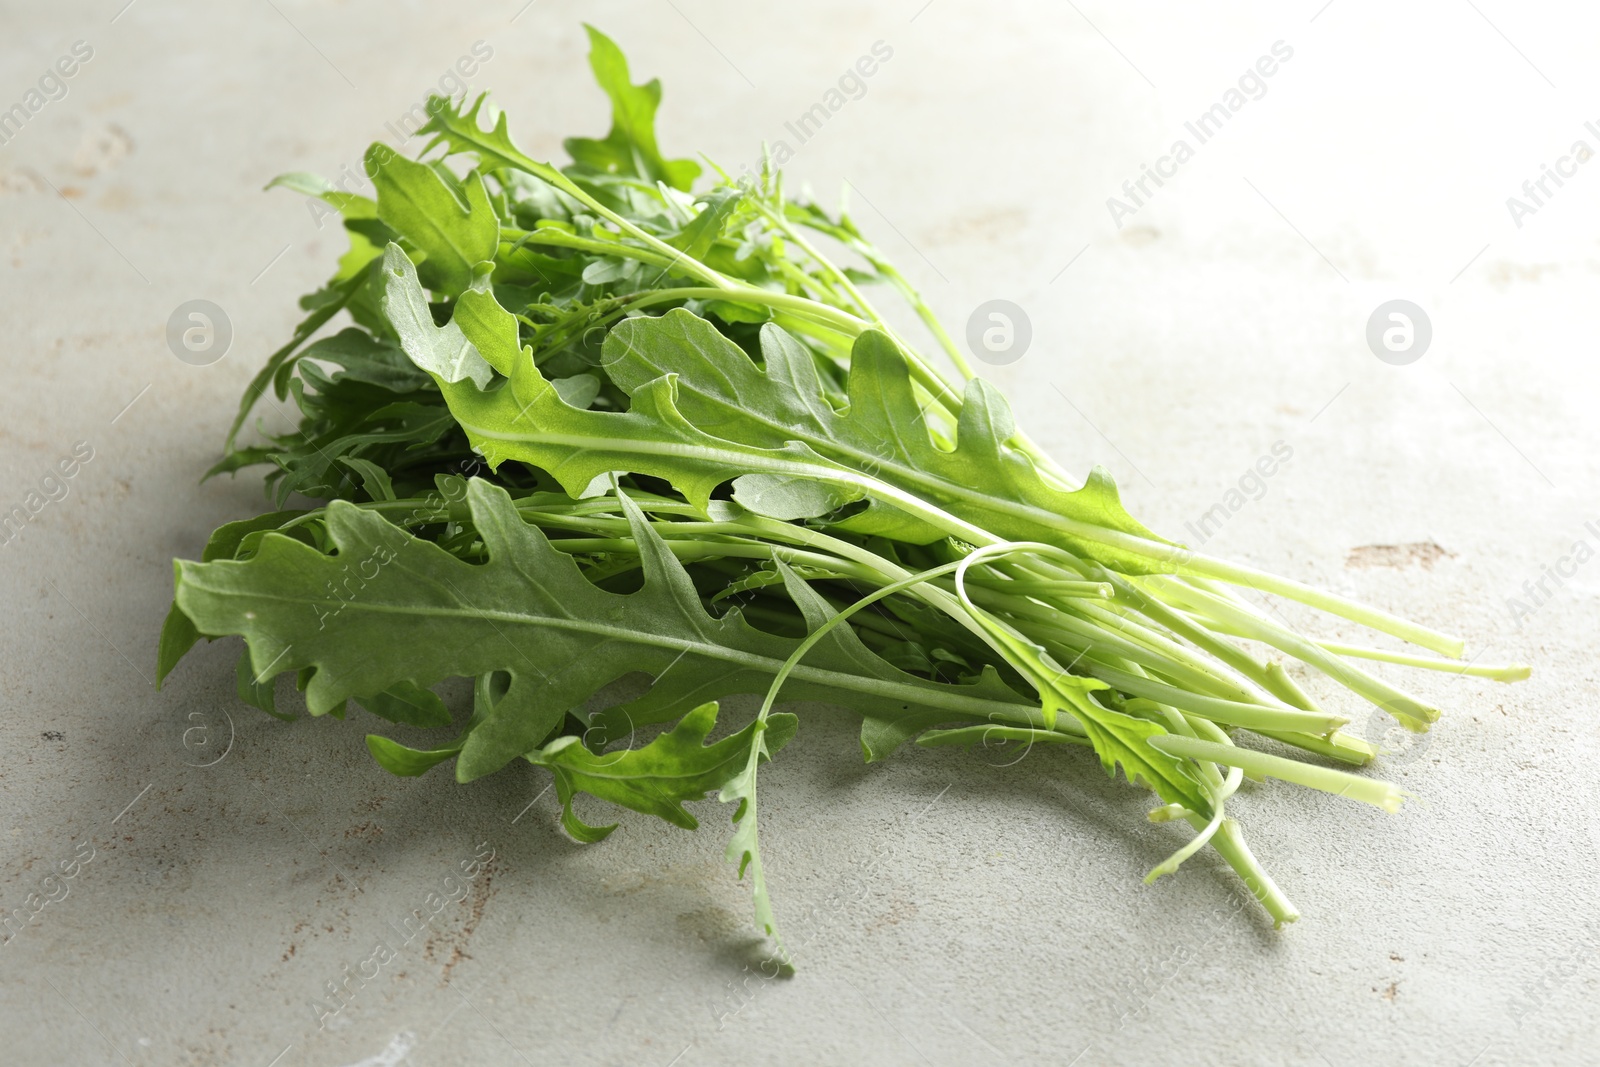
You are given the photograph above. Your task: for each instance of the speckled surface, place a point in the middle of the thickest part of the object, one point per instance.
(944, 910)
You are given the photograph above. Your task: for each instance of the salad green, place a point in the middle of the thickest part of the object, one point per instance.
(594, 421)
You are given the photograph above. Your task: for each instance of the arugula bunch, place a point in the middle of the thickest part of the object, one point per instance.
(589, 421)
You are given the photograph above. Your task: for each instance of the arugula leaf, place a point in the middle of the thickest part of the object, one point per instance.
(178, 636)
(630, 148)
(337, 295)
(658, 777)
(256, 692)
(389, 608)
(767, 735)
(882, 433)
(408, 703)
(885, 724)
(408, 762)
(442, 351)
(701, 233)
(350, 205)
(360, 357)
(449, 222)
(703, 414)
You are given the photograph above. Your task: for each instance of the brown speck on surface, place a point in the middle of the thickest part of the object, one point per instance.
(20, 181)
(709, 924)
(1419, 553)
(900, 909)
(1390, 993)
(476, 900)
(100, 149)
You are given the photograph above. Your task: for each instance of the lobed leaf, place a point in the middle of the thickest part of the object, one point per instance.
(388, 609)
(657, 778)
(630, 148)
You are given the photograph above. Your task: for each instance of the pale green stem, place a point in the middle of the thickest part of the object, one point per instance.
(1338, 745)
(1403, 706)
(1230, 844)
(1171, 864)
(1216, 709)
(1264, 765)
(1138, 642)
(1184, 561)
(1500, 672)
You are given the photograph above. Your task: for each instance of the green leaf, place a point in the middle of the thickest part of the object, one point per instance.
(178, 636)
(630, 148)
(659, 777)
(458, 130)
(530, 422)
(788, 497)
(492, 328)
(730, 311)
(442, 351)
(883, 434)
(350, 205)
(579, 390)
(1119, 739)
(696, 239)
(408, 704)
(336, 296)
(407, 762)
(885, 729)
(388, 608)
(363, 358)
(703, 413)
(744, 848)
(257, 693)
(1122, 740)
(227, 539)
(373, 478)
(451, 223)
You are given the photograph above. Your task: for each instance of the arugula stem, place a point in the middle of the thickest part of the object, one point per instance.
(1048, 587)
(845, 323)
(1184, 561)
(1502, 672)
(1403, 706)
(1088, 635)
(1229, 843)
(1336, 746)
(1216, 709)
(552, 237)
(1264, 765)
(1237, 685)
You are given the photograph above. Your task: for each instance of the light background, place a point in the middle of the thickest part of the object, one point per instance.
(984, 914)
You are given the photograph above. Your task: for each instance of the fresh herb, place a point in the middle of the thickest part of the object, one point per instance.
(590, 421)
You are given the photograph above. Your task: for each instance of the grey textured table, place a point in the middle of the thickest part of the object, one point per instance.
(961, 911)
